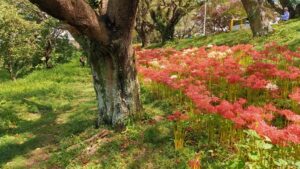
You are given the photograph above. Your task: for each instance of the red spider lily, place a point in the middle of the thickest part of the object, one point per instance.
(295, 95)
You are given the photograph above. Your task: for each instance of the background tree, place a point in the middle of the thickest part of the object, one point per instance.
(257, 15)
(167, 13)
(53, 45)
(56, 43)
(144, 27)
(109, 31)
(18, 42)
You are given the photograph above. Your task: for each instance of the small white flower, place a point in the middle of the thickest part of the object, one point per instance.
(162, 66)
(154, 63)
(271, 87)
(229, 51)
(210, 46)
(217, 55)
(190, 51)
(212, 55)
(174, 77)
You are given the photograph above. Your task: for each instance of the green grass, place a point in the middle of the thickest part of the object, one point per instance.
(285, 33)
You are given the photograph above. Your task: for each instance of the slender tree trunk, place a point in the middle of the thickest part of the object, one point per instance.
(145, 39)
(259, 23)
(11, 73)
(48, 51)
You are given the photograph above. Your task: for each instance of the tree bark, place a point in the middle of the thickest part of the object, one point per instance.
(143, 26)
(115, 82)
(145, 39)
(110, 52)
(259, 23)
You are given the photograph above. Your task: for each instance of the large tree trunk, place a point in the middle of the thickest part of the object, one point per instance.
(115, 82)
(109, 33)
(259, 23)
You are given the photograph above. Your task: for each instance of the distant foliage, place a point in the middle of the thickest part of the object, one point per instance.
(30, 39)
(19, 41)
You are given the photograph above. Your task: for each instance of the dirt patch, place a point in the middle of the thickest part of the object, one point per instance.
(36, 156)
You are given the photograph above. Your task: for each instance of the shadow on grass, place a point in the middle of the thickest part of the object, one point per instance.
(45, 131)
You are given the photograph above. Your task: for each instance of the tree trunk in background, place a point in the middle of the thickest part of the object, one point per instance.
(168, 33)
(145, 39)
(167, 30)
(48, 51)
(111, 56)
(259, 23)
(143, 26)
(11, 73)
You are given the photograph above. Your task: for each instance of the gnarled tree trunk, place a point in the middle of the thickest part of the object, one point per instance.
(115, 82)
(259, 23)
(109, 33)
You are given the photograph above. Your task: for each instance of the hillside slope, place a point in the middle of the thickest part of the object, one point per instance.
(285, 33)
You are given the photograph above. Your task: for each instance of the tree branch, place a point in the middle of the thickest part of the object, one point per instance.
(78, 14)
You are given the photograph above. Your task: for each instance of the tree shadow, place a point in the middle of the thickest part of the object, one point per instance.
(46, 130)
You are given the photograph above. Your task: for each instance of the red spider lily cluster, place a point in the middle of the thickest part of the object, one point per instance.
(207, 75)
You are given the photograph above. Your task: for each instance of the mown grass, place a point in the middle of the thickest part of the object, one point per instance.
(285, 33)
